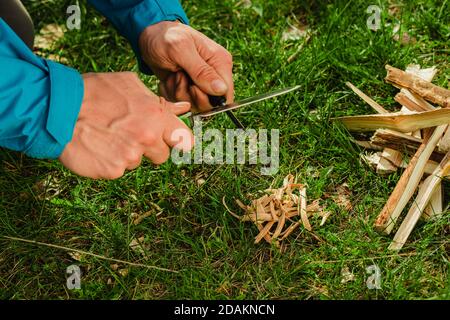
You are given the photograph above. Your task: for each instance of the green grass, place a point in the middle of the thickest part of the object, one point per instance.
(214, 253)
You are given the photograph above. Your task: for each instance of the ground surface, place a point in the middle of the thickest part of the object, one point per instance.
(214, 253)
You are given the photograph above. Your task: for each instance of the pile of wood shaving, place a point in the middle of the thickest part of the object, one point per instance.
(279, 212)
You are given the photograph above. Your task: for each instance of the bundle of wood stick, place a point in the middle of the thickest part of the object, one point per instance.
(279, 212)
(420, 131)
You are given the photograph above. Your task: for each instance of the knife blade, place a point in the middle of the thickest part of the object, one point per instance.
(244, 103)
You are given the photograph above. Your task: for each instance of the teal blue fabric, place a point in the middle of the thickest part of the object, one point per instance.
(40, 99)
(131, 17)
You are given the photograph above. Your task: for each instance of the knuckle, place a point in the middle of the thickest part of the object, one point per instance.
(132, 156)
(149, 137)
(228, 58)
(175, 39)
(204, 71)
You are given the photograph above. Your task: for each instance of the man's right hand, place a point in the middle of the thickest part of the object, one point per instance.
(120, 120)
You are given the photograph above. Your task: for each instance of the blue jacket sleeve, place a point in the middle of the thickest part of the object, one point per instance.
(39, 99)
(131, 17)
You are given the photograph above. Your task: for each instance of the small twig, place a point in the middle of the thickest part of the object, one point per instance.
(89, 254)
(408, 254)
(367, 99)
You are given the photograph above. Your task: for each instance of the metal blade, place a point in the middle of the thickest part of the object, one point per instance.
(245, 102)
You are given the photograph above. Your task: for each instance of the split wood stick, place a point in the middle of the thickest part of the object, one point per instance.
(444, 143)
(396, 121)
(429, 167)
(420, 203)
(408, 183)
(368, 145)
(434, 208)
(367, 99)
(424, 104)
(402, 142)
(408, 103)
(427, 75)
(384, 165)
(390, 160)
(425, 89)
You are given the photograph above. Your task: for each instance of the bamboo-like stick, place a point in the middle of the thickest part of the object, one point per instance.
(444, 144)
(429, 167)
(396, 121)
(408, 103)
(414, 213)
(378, 108)
(408, 183)
(425, 89)
(435, 207)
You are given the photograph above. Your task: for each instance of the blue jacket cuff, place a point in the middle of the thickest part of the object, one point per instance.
(131, 18)
(66, 96)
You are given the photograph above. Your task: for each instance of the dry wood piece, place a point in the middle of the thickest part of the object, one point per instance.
(429, 167)
(444, 143)
(397, 121)
(367, 99)
(274, 212)
(408, 183)
(401, 142)
(434, 208)
(408, 103)
(419, 129)
(368, 145)
(390, 160)
(425, 89)
(430, 185)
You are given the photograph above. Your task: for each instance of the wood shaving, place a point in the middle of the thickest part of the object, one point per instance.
(279, 212)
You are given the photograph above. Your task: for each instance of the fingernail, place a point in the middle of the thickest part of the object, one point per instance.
(219, 86)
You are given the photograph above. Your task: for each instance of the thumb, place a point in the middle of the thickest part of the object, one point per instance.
(179, 108)
(203, 75)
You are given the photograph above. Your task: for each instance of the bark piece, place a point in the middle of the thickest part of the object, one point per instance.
(425, 89)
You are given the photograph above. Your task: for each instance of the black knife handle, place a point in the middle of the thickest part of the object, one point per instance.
(217, 101)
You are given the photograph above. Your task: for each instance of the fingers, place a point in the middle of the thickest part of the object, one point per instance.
(201, 100)
(219, 59)
(203, 75)
(179, 108)
(176, 134)
(158, 153)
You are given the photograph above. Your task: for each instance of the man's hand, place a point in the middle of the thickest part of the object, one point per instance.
(121, 120)
(172, 49)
